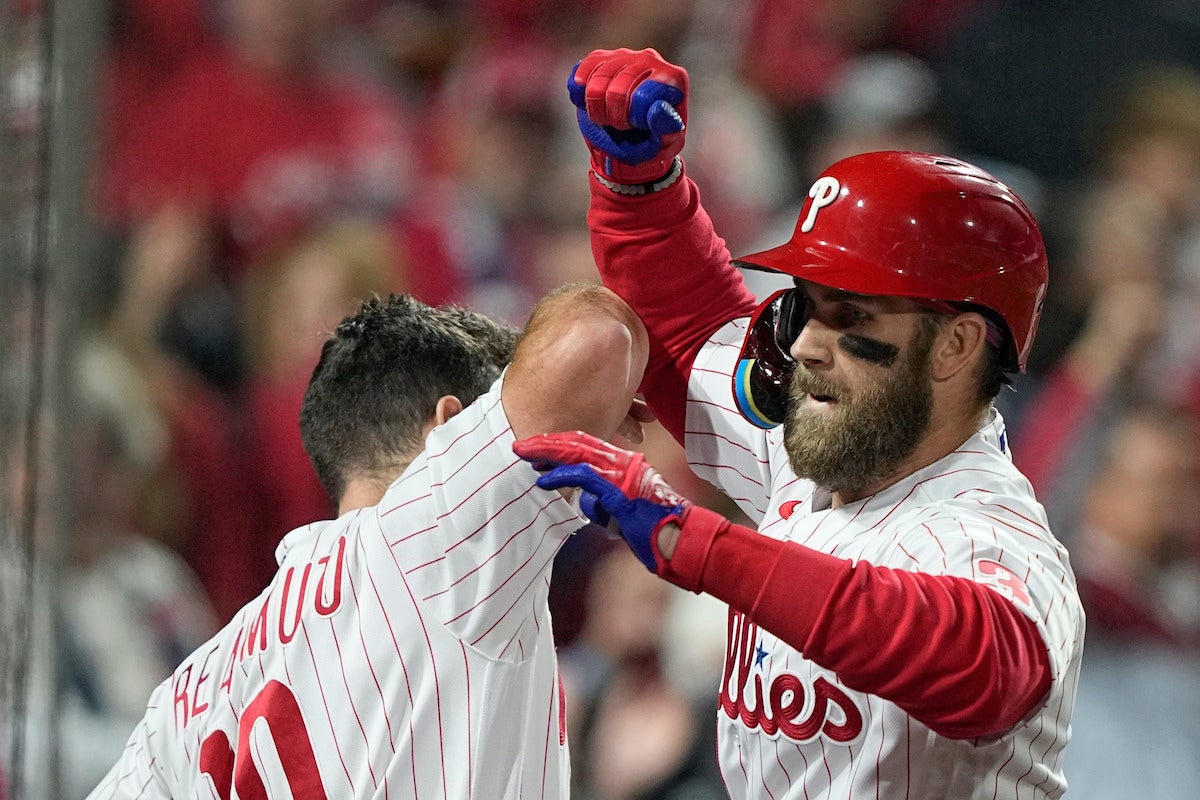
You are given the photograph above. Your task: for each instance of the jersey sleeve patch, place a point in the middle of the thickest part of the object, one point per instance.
(1005, 581)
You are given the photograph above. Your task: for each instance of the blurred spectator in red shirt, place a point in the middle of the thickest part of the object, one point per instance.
(264, 135)
(150, 42)
(290, 307)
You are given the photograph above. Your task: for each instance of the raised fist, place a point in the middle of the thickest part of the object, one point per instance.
(632, 111)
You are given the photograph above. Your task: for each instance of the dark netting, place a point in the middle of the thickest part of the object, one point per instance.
(24, 316)
(43, 91)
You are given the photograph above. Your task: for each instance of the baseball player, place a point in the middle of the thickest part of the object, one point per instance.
(405, 649)
(902, 623)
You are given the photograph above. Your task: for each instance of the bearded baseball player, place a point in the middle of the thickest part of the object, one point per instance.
(902, 623)
(404, 649)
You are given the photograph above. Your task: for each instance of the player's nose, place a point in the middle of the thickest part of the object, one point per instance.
(813, 347)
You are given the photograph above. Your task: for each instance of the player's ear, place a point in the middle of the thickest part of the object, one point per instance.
(957, 343)
(447, 406)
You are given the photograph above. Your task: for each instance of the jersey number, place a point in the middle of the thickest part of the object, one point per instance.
(277, 706)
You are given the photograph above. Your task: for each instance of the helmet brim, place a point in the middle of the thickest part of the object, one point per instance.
(839, 270)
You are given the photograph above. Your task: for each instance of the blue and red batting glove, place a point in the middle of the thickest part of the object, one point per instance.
(617, 485)
(632, 111)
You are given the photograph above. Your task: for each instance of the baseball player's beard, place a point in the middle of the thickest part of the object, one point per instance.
(863, 439)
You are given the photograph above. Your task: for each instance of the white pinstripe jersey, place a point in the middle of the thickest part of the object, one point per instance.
(401, 651)
(790, 729)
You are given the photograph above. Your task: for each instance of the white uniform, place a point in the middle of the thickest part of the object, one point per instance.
(789, 728)
(401, 651)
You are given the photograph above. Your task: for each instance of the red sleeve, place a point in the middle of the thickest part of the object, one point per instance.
(954, 654)
(659, 252)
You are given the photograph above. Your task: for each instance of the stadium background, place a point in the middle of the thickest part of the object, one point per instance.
(192, 191)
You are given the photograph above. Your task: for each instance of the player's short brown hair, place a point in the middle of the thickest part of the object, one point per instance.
(380, 376)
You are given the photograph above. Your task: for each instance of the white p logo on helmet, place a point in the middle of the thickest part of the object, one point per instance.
(823, 193)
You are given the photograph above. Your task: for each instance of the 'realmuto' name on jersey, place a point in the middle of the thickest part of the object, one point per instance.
(318, 586)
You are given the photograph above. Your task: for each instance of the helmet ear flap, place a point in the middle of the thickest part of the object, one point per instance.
(764, 370)
(791, 319)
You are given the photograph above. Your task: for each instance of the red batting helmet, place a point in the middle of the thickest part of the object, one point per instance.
(921, 226)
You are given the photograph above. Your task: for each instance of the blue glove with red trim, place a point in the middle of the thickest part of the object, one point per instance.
(632, 111)
(617, 485)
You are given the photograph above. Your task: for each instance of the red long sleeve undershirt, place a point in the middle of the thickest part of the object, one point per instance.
(954, 654)
(659, 253)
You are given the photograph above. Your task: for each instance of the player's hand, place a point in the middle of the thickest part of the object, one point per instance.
(618, 485)
(632, 111)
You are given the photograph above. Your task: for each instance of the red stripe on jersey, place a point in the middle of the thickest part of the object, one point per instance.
(747, 500)
(482, 448)
(847, 524)
(786, 775)
(414, 534)
(726, 467)
(562, 708)
(407, 476)
(426, 564)
(719, 406)
(936, 539)
(142, 790)
(465, 434)
(1012, 754)
(480, 488)
(488, 560)
(522, 594)
(764, 528)
(403, 667)
(745, 773)
(437, 684)
(879, 523)
(1032, 762)
(325, 701)
(337, 645)
(383, 704)
(825, 761)
(410, 501)
(546, 746)
(1008, 524)
(729, 441)
(470, 716)
(495, 514)
(501, 585)
(762, 774)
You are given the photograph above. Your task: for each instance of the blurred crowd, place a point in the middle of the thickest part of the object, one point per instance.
(260, 165)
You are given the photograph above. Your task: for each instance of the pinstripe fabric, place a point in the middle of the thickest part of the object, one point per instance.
(402, 651)
(787, 727)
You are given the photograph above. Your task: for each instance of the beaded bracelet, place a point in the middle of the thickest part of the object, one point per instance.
(644, 188)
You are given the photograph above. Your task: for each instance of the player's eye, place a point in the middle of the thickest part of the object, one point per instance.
(847, 315)
(794, 311)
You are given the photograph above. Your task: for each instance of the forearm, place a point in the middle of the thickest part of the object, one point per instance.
(955, 655)
(578, 365)
(659, 252)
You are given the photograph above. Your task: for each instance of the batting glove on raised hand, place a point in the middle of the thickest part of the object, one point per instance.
(632, 111)
(617, 485)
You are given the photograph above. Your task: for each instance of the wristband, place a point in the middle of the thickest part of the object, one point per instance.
(644, 188)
